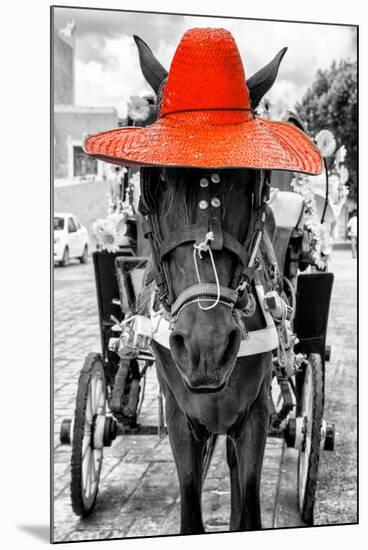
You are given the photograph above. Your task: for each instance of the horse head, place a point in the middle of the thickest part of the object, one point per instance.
(188, 204)
(206, 338)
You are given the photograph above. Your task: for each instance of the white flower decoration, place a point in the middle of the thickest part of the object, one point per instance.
(340, 155)
(344, 174)
(109, 232)
(138, 108)
(326, 143)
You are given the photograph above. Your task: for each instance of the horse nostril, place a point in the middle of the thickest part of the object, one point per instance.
(232, 346)
(177, 344)
(177, 341)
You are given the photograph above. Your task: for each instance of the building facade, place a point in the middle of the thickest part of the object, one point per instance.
(63, 69)
(81, 183)
(72, 122)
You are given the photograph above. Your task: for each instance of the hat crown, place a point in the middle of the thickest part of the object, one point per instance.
(206, 73)
(209, 123)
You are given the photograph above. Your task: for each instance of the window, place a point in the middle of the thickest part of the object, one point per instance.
(58, 224)
(83, 164)
(71, 226)
(77, 223)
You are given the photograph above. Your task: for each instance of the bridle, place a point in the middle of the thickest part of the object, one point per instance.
(207, 235)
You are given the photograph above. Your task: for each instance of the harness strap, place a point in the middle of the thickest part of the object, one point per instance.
(147, 226)
(232, 244)
(202, 213)
(178, 237)
(215, 216)
(208, 290)
(189, 234)
(152, 232)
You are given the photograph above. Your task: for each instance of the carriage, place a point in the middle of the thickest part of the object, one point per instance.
(259, 306)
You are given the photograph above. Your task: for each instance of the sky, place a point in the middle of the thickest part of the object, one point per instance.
(107, 68)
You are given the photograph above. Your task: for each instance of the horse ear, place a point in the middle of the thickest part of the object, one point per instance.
(262, 80)
(152, 69)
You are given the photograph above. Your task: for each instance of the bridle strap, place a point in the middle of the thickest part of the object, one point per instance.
(189, 234)
(256, 227)
(199, 300)
(203, 290)
(183, 235)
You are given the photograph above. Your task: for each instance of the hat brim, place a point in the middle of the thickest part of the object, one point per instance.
(184, 142)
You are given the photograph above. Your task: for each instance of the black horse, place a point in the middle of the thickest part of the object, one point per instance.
(210, 390)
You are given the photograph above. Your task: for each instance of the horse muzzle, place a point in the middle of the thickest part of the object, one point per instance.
(204, 346)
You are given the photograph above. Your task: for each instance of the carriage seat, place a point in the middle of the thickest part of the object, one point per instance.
(287, 208)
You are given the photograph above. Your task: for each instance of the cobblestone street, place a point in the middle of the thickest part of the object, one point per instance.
(139, 493)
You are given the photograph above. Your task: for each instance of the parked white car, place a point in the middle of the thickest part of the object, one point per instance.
(70, 239)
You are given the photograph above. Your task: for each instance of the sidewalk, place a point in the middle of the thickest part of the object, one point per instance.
(342, 245)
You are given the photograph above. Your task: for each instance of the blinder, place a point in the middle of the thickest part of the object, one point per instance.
(209, 217)
(149, 180)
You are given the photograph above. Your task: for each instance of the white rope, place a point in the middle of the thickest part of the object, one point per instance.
(198, 249)
(205, 245)
(124, 322)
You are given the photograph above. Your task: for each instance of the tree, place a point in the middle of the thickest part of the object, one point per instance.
(331, 103)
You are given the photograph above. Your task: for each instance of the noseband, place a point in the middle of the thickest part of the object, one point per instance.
(207, 235)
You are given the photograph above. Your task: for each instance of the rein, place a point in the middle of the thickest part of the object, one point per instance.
(207, 236)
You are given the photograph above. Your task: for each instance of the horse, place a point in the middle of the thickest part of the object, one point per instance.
(209, 389)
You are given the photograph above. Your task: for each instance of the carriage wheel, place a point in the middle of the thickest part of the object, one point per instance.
(311, 409)
(89, 422)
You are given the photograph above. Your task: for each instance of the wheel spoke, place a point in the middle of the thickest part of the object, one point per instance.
(88, 481)
(97, 455)
(100, 398)
(95, 402)
(87, 428)
(86, 445)
(89, 413)
(92, 476)
(86, 469)
(92, 395)
(93, 469)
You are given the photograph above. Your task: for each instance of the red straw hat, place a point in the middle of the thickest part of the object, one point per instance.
(206, 118)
